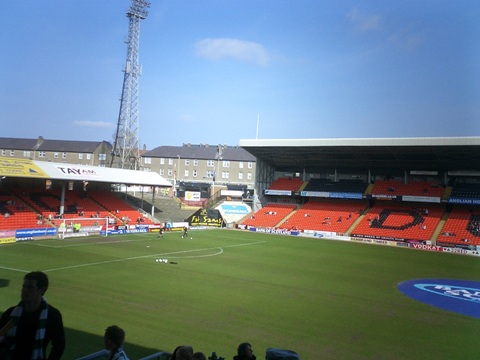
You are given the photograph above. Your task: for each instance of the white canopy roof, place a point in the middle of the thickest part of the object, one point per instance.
(26, 168)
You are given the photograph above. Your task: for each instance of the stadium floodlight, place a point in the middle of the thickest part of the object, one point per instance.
(126, 152)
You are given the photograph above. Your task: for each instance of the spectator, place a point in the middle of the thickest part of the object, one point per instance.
(182, 352)
(33, 325)
(244, 352)
(199, 356)
(114, 338)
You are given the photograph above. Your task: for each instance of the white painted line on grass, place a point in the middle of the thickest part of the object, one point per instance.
(13, 269)
(82, 244)
(156, 256)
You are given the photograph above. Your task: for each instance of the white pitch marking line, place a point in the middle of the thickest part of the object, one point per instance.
(82, 244)
(13, 269)
(154, 255)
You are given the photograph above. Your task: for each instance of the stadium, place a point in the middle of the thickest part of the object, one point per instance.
(320, 260)
(301, 248)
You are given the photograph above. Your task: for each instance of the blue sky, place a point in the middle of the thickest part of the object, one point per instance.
(212, 68)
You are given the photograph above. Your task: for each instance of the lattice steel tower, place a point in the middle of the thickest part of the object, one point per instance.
(126, 152)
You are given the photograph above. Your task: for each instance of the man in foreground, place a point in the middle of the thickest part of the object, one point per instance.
(28, 328)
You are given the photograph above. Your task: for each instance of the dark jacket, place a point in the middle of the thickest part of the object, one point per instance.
(26, 331)
(243, 357)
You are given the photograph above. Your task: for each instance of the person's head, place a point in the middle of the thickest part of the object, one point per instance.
(114, 337)
(199, 356)
(182, 352)
(245, 350)
(35, 284)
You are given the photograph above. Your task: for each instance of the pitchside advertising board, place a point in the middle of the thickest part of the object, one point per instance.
(332, 195)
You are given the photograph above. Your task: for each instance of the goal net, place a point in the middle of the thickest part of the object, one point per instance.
(76, 227)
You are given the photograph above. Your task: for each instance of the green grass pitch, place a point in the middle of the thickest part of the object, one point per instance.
(323, 299)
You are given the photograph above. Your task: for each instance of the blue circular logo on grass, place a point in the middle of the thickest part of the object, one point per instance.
(460, 296)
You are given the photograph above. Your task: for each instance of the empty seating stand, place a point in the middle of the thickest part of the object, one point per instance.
(119, 208)
(76, 205)
(16, 214)
(413, 188)
(270, 215)
(415, 222)
(462, 227)
(342, 186)
(39, 208)
(290, 183)
(329, 216)
(466, 190)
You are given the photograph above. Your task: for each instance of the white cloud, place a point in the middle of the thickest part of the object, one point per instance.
(94, 124)
(187, 118)
(232, 48)
(407, 39)
(363, 22)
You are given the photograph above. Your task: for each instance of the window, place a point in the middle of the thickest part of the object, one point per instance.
(41, 154)
(147, 169)
(64, 155)
(210, 174)
(195, 173)
(170, 172)
(240, 164)
(162, 161)
(195, 162)
(147, 160)
(162, 172)
(186, 173)
(250, 164)
(55, 155)
(170, 161)
(80, 156)
(26, 153)
(12, 152)
(102, 157)
(225, 175)
(226, 163)
(210, 163)
(4, 152)
(89, 156)
(249, 176)
(187, 162)
(240, 176)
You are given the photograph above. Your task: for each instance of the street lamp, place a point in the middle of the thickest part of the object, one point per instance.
(219, 157)
(176, 173)
(178, 168)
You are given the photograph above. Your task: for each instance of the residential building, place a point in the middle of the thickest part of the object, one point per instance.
(93, 153)
(218, 165)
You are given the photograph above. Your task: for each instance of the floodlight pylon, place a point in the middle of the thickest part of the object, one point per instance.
(126, 151)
